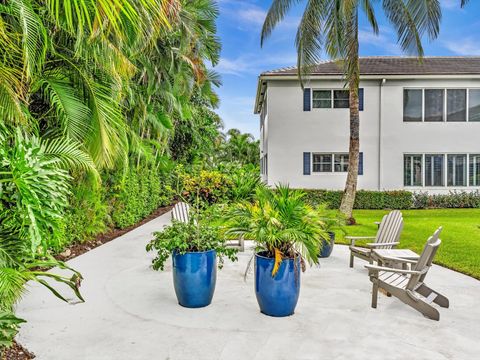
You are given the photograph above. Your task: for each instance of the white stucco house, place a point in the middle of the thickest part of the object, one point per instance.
(419, 125)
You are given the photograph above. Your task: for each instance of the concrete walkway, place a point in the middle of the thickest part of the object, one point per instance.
(131, 313)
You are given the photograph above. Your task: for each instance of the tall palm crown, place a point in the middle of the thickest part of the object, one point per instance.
(331, 26)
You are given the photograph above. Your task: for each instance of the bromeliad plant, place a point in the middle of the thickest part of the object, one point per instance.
(182, 237)
(281, 223)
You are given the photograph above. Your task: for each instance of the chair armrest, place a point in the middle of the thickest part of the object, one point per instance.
(354, 238)
(376, 269)
(400, 260)
(375, 245)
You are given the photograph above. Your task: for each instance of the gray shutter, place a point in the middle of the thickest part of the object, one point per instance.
(307, 93)
(360, 99)
(306, 163)
(360, 164)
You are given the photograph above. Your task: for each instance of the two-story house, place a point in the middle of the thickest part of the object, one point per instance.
(419, 125)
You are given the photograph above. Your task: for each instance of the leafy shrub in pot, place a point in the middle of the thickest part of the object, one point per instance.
(194, 248)
(287, 232)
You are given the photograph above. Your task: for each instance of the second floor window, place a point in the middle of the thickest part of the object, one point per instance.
(437, 105)
(327, 99)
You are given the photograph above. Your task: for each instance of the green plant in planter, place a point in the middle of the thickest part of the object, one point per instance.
(9, 325)
(182, 237)
(281, 223)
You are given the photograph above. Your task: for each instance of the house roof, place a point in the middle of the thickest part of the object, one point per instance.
(397, 66)
(379, 67)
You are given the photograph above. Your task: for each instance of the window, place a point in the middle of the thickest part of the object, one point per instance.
(322, 162)
(434, 165)
(412, 104)
(475, 170)
(322, 99)
(457, 170)
(456, 105)
(327, 99)
(341, 162)
(474, 105)
(434, 104)
(412, 172)
(341, 99)
(329, 162)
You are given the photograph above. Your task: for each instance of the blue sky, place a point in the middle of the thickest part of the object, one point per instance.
(242, 58)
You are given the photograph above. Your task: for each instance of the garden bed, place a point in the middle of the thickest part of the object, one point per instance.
(77, 249)
(17, 352)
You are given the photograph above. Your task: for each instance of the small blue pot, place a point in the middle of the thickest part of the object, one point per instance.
(327, 246)
(278, 295)
(194, 277)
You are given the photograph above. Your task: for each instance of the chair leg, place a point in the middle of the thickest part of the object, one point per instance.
(351, 260)
(374, 295)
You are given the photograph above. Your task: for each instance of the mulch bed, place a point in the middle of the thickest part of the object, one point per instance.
(78, 249)
(17, 351)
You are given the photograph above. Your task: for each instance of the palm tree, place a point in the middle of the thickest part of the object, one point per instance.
(332, 26)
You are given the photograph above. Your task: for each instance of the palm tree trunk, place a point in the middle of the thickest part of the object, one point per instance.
(353, 70)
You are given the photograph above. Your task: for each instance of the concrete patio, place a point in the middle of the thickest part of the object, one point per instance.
(131, 313)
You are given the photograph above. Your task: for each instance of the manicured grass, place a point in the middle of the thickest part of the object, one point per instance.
(460, 248)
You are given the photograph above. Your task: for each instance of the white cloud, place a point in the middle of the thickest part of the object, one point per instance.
(382, 41)
(254, 63)
(468, 46)
(253, 15)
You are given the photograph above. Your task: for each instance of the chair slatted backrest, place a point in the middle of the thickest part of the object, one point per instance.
(181, 212)
(426, 258)
(390, 229)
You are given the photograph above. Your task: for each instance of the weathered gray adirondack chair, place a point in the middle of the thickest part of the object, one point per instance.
(388, 236)
(181, 212)
(408, 285)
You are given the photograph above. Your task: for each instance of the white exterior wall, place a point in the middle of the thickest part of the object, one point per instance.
(384, 138)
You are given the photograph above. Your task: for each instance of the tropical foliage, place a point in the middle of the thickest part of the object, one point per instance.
(281, 223)
(98, 100)
(194, 236)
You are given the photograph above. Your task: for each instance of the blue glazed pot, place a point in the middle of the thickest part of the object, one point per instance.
(327, 246)
(194, 277)
(277, 296)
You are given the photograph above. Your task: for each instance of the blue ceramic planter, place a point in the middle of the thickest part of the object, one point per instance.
(278, 295)
(327, 246)
(194, 277)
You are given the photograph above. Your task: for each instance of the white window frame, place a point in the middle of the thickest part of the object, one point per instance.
(474, 172)
(332, 154)
(411, 175)
(332, 105)
(445, 101)
(445, 170)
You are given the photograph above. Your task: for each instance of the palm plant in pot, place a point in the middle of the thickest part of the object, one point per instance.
(288, 233)
(333, 222)
(194, 248)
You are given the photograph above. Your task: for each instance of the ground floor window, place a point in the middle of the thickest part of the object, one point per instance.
(475, 170)
(434, 174)
(457, 170)
(329, 162)
(322, 162)
(412, 174)
(438, 170)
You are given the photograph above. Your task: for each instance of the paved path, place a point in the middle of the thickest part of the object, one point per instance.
(131, 313)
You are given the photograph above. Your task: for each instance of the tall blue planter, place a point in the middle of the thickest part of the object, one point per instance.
(278, 295)
(327, 246)
(194, 277)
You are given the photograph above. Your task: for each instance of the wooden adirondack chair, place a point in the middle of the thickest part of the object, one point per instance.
(409, 285)
(388, 236)
(181, 212)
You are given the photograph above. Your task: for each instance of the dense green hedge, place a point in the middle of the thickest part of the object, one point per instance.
(142, 191)
(397, 199)
(123, 199)
(364, 199)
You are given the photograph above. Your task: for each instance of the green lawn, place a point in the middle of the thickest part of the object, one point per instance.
(460, 248)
